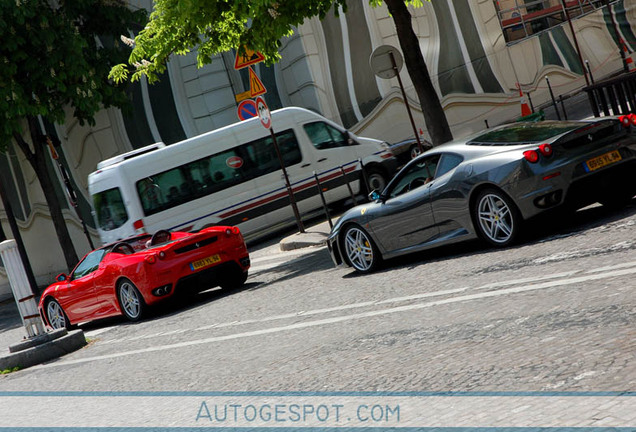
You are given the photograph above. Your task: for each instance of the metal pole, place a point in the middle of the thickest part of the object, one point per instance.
(292, 200)
(565, 114)
(576, 42)
(18, 239)
(406, 102)
(353, 197)
(589, 70)
(324, 202)
(556, 108)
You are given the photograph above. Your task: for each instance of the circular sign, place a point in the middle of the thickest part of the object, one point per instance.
(247, 109)
(263, 112)
(234, 162)
(383, 65)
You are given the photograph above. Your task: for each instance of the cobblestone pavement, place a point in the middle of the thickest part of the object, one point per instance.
(555, 313)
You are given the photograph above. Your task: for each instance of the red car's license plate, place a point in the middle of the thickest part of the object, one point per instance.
(208, 261)
(603, 160)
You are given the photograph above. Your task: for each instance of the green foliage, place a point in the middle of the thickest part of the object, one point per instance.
(8, 371)
(58, 54)
(215, 26)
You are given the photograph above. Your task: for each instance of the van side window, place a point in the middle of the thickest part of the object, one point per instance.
(213, 173)
(110, 209)
(324, 136)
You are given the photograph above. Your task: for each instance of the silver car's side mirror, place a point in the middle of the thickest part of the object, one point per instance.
(374, 196)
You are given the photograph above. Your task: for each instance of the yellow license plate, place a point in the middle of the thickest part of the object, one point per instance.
(205, 262)
(602, 160)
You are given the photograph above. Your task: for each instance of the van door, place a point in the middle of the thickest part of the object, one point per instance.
(331, 149)
(273, 198)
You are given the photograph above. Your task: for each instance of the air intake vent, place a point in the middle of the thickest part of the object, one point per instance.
(196, 245)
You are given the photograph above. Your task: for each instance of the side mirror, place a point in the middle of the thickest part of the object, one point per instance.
(375, 196)
(61, 277)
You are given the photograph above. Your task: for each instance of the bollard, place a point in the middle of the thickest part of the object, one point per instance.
(344, 176)
(24, 298)
(556, 108)
(324, 202)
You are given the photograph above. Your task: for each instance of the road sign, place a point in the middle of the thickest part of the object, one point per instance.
(242, 96)
(382, 64)
(247, 58)
(263, 113)
(234, 162)
(256, 85)
(247, 109)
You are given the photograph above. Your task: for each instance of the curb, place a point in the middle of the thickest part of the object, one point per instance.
(43, 352)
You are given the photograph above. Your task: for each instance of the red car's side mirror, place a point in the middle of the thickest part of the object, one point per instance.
(61, 277)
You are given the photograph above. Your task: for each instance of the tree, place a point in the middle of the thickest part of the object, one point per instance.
(55, 55)
(216, 26)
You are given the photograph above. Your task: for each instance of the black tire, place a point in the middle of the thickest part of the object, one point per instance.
(233, 280)
(496, 217)
(616, 200)
(56, 316)
(131, 302)
(376, 180)
(360, 252)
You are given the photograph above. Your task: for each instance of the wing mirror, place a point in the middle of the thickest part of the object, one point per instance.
(61, 277)
(376, 196)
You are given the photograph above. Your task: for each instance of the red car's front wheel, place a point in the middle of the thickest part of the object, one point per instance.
(56, 316)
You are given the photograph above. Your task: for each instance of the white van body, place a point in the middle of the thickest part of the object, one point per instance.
(232, 176)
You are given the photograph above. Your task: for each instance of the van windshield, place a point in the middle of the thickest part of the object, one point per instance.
(110, 210)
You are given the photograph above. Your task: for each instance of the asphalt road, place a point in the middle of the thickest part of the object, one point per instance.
(553, 313)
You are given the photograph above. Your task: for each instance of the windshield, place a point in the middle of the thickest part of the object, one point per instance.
(109, 209)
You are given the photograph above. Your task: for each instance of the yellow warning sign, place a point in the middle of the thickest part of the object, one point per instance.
(247, 58)
(256, 86)
(242, 96)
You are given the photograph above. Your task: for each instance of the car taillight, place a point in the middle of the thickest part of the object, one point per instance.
(628, 120)
(545, 150)
(232, 230)
(151, 259)
(531, 156)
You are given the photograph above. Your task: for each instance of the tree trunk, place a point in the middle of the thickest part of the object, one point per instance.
(37, 159)
(434, 115)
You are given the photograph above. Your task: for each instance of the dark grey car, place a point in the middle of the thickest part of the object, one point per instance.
(488, 185)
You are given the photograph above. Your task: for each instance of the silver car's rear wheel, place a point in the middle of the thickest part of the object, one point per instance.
(360, 251)
(130, 300)
(497, 218)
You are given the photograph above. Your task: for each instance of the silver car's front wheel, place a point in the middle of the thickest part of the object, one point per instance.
(130, 300)
(497, 218)
(360, 250)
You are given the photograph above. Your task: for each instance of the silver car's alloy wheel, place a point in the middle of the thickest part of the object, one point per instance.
(130, 300)
(55, 315)
(495, 218)
(359, 250)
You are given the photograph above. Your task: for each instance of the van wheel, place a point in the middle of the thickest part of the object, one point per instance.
(376, 180)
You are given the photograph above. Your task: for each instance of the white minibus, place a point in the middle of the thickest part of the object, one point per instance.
(232, 176)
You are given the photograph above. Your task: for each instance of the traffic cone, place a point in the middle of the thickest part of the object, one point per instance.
(525, 108)
(631, 67)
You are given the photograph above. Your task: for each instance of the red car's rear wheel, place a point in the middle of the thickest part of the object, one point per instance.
(130, 300)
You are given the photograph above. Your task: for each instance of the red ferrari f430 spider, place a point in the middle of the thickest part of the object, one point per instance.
(126, 277)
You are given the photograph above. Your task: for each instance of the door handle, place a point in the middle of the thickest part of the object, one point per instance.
(322, 159)
(305, 165)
